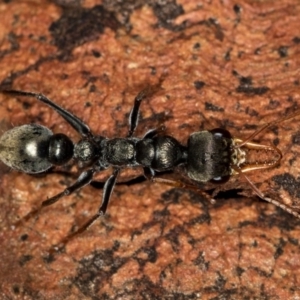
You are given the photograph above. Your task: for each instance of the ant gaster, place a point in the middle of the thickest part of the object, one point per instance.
(209, 156)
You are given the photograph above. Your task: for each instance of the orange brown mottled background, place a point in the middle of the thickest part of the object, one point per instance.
(233, 64)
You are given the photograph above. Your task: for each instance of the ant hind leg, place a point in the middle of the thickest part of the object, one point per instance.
(74, 121)
(83, 179)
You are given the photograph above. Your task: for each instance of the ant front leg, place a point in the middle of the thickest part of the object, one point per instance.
(74, 121)
(283, 206)
(150, 174)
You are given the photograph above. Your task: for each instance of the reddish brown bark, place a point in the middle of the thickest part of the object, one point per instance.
(224, 65)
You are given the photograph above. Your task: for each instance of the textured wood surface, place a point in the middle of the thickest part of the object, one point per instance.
(224, 65)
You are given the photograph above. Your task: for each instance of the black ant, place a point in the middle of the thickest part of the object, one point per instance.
(209, 156)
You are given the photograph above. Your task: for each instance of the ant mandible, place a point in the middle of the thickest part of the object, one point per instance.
(209, 156)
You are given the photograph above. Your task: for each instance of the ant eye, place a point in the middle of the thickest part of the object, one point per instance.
(220, 180)
(222, 133)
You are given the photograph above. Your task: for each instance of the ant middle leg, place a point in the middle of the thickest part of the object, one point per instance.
(107, 191)
(134, 113)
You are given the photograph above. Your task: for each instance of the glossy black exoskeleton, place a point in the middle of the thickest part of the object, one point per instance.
(34, 149)
(209, 156)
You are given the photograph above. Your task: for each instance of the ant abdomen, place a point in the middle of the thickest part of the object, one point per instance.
(33, 148)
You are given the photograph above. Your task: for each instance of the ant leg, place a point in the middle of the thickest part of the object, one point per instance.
(282, 206)
(150, 175)
(182, 185)
(83, 179)
(270, 200)
(136, 180)
(74, 121)
(154, 132)
(134, 113)
(107, 191)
